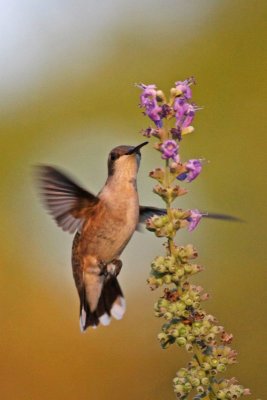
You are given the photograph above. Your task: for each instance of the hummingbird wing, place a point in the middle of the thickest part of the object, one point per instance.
(147, 212)
(68, 203)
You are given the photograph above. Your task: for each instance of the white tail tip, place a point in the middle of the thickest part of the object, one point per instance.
(118, 308)
(105, 319)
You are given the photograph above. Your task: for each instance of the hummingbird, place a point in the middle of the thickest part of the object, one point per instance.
(103, 225)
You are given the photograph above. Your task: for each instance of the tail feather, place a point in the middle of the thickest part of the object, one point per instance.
(111, 303)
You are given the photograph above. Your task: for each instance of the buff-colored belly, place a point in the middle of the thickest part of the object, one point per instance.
(106, 235)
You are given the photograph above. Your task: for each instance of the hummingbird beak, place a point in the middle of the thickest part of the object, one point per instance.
(136, 149)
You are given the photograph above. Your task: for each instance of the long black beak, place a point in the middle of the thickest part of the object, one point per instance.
(136, 149)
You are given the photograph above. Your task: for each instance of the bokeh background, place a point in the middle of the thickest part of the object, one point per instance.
(67, 97)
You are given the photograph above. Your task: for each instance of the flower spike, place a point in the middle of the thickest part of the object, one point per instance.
(186, 323)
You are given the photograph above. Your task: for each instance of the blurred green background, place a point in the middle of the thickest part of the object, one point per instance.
(67, 98)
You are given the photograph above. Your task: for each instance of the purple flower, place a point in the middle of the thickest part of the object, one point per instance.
(194, 219)
(194, 168)
(176, 133)
(184, 112)
(153, 111)
(169, 149)
(184, 87)
(148, 100)
(148, 132)
(165, 110)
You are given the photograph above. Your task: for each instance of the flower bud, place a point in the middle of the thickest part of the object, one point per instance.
(187, 387)
(188, 268)
(189, 302)
(190, 251)
(153, 282)
(221, 367)
(172, 268)
(160, 268)
(205, 381)
(221, 394)
(174, 332)
(162, 303)
(216, 329)
(174, 92)
(196, 269)
(159, 282)
(180, 271)
(168, 316)
(172, 308)
(205, 296)
(167, 279)
(185, 313)
(182, 372)
(180, 306)
(160, 95)
(186, 131)
(189, 347)
(158, 222)
(200, 389)
(158, 314)
(206, 366)
(214, 362)
(181, 341)
(162, 336)
(179, 390)
(195, 331)
(190, 338)
(176, 381)
(182, 331)
(158, 174)
(201, 374)
(210, 337)
(175, 278)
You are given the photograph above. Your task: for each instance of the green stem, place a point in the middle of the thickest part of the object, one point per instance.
(213, 385)
(171, 244)
(171, 247)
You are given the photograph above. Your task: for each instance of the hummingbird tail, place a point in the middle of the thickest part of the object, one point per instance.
(110, 304)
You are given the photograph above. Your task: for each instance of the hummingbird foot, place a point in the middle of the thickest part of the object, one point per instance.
(111, 269)
(103, 267)
(114, 267)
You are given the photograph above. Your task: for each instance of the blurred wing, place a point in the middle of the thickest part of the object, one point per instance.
(224, 217)
(68, 203)
(147, 212)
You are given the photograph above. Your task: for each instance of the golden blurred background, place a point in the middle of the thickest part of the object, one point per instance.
(67, 97)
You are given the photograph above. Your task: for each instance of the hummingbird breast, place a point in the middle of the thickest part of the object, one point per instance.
(109, 229)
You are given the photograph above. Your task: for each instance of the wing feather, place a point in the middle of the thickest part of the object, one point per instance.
(147, 212)
(68, 203)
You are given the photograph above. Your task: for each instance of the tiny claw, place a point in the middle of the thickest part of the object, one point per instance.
(114, 267)
(103, 268)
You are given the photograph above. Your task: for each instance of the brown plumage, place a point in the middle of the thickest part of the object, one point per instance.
(103, 224)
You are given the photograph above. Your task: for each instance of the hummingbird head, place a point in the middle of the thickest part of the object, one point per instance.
(124, 160)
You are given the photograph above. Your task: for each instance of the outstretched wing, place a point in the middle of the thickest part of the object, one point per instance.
(68, 203)
(147, 212)
(224, 217)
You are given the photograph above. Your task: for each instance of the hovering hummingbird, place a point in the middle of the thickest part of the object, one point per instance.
(104, 224)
